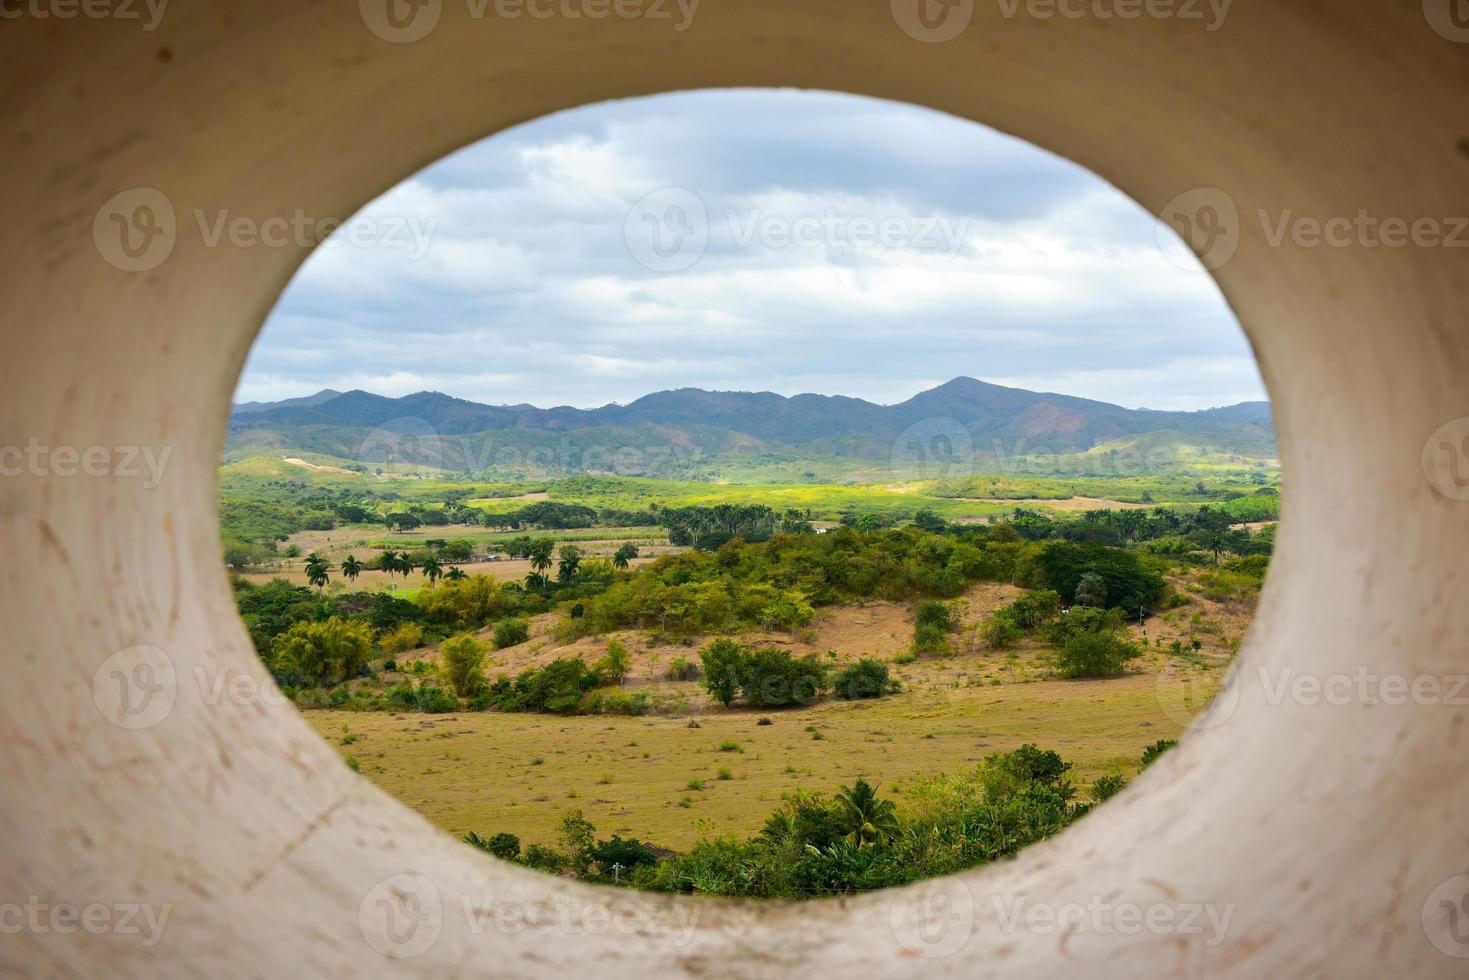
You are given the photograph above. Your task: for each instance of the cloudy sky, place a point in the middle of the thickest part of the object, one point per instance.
(772, 240)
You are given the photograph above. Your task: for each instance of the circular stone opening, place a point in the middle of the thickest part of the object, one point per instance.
(1359, 345)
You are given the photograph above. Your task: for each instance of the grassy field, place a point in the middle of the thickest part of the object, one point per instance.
(659, 779)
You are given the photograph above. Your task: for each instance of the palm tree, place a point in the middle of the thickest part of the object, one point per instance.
(455, 574)
(570, 563)
(541, 550)
(388, 562)
(351, 568)
(867, 819)
(317, 571)
(405, 565)
(624, 556)
(432, 569)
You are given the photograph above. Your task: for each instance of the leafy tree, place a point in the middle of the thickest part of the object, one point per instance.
(578, 836)
(502, 845)
(725, 664)
(932, 625)
(774, 679)
(464, 664)
(1091, 590)
(323, 653)
(464, 603)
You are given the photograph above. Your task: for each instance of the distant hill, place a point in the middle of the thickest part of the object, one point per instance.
(689, 424)
(249, 408)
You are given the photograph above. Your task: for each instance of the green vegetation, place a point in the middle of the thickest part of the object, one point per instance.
(852, 841)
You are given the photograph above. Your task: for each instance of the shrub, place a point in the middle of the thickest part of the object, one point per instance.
(464, 604)
(408, 636)
(323, 653)
(867, 678)
(433, 700)
(1000, 631)
(1100, 654)
(502, 845)
(1107, 787)
(729, 745)
(682, 669)
(774, 678)
(464, 662)
(614, 666)
(931, 628)
(557, 688)
(510, 632)
(1152, 752)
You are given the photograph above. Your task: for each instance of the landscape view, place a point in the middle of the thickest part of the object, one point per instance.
(786, 575)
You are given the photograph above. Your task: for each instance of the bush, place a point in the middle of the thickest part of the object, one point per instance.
(614, 666)
(324, 653)
(504, 846)
(866, 678)
(681, 669)
(1099, 654)
(509, 632)
(931, 628)
(1107, 787)
(557, 688)
(775, 679)
(1001, 631)
(408, 636)
(1152, 752)
(464, 604)
(433, 700)
(464, 662)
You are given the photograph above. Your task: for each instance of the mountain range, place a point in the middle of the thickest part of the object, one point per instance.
(690, 424)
